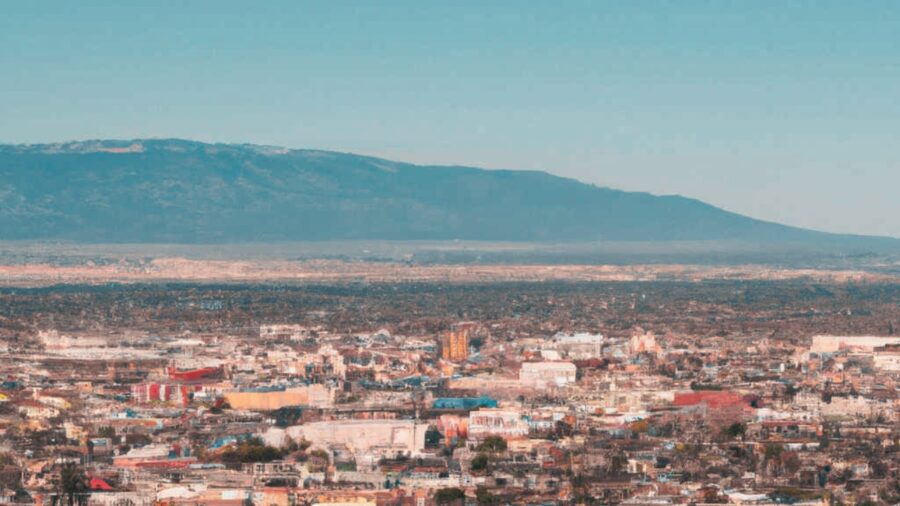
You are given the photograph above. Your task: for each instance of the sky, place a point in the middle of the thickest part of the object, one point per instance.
(787, 111)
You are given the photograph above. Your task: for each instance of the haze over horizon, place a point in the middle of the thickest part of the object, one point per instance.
(786, 113)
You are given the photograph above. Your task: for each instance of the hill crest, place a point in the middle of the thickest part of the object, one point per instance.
(178, 191)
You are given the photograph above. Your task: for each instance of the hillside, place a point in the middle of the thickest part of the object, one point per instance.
(174, 191)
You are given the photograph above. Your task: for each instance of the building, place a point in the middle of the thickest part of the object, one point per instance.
(195, 375)
(713, 399)
(163, 392)
(497, 422)
(464, 403)
(327, 362)
(137, 456)
(455, 345)
(34, 409)
(545, 374)
(867, 344)
(578, 346)
(644, 342)
(274, 332)
(272, 399)
(374, 437)
(887, 358)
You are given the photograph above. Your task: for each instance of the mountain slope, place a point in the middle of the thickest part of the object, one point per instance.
(173, 191)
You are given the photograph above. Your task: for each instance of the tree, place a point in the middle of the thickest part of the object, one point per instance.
(74, 487)
(484, 498)
(563, 429)
(736, 429)
(449, 496)
(616, 464)
(107, 432)
(791, 462)
(480, 462)
(252, 450)
(492, 444)
(879, 467)
(711, 495)
(433, 438)
(774, 451)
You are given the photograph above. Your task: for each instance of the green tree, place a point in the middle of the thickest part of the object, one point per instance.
(74, 487)
(480, 462)
(484, 498)
(449, 496)
(736, 429)
(492, 444)
(563, 429)
(252, 450)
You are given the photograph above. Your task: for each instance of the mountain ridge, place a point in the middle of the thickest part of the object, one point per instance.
(180, 191)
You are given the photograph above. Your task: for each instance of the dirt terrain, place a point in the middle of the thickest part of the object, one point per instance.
(321, 271)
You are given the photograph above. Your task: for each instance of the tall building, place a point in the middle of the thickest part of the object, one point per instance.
(455, 345)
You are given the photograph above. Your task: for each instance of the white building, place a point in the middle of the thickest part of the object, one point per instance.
(865, 344)
(375, 437)
(497, 422)
(578, 346)
(547, 374)
(887, 360)
(284, 331)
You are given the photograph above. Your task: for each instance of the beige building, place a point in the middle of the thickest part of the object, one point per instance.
(377, 437)
(831, 344)
(312, 395)
(887, 360)
(498, 422)
(284, 331)
(578, 346)
(547, 374)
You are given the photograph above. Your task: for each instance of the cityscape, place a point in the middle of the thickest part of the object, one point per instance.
(449, 253)
(672, 392)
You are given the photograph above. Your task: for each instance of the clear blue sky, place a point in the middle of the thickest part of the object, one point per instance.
(787, 111)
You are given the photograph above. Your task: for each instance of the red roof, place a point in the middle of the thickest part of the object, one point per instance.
(712, 398)
(99, 484)
(195, 375)
(167, 464)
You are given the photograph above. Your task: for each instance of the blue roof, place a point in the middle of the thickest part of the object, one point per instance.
(464, 402)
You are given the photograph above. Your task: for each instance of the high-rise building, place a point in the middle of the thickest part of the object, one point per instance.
(455, 345)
